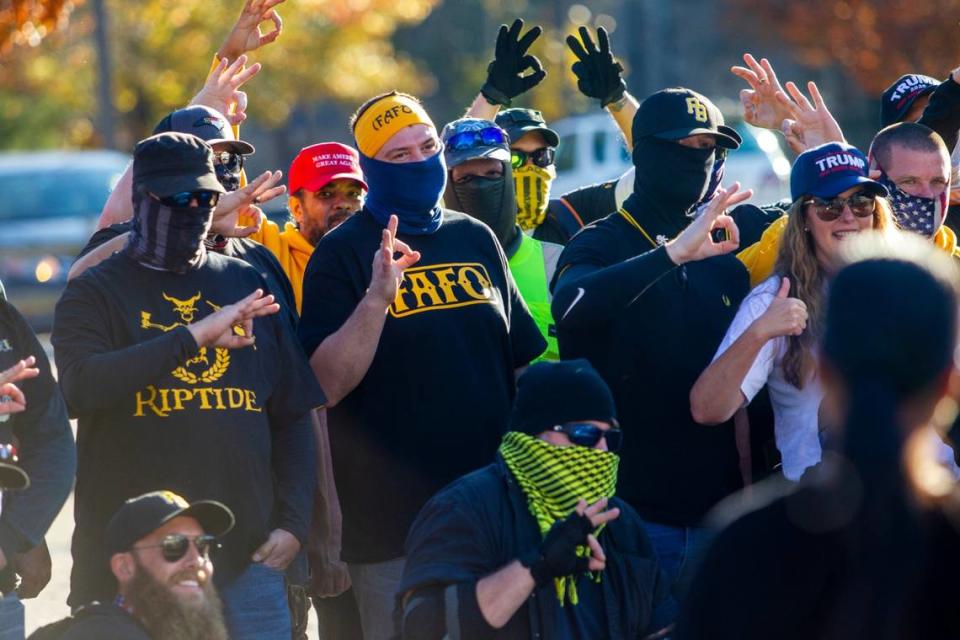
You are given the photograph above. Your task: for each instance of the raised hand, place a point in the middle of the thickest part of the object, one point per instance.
(785, 316)
(505, 74)
(246, 34)
(387, 270)
(599, 75)
(760, 105)
(231, 326)
(809, 125)
(696, 242)
(598, 514)
(242, 204)
(20, 371)
(221, 90)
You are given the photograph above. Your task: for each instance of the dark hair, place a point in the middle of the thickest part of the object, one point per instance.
(890, 333)
(369, 103)
(908, 135)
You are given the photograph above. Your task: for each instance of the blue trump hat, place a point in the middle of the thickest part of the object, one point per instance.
(830, 169)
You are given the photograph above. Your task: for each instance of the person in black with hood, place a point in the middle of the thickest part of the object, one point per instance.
(650, 326)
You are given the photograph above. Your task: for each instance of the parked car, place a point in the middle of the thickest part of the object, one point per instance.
(592, 150)
(50, 205)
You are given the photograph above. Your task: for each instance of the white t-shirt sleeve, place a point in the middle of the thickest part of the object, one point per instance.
(752, 307)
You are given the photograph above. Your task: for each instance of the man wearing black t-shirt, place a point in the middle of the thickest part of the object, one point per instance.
(417, 353)
(180, 376)
(651, 330)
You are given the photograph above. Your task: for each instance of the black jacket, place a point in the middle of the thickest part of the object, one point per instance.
(481, 522)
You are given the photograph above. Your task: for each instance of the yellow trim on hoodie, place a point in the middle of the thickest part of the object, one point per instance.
(291, 249)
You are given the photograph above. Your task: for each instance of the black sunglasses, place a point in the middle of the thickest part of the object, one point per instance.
(541, 157)
(487, 137)
(176, 545)
(231, 162)
(588, 435)
(861, 205)
(184, 198)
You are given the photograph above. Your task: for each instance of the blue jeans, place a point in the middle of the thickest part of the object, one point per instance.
(679, 551)
(255, 605)
(11, 618)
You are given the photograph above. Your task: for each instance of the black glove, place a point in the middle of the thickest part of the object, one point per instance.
(598, 74)
(557, 555)
(510, 60)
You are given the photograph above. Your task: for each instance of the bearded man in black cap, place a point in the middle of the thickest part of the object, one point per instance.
(626, 299)
(536, 544)
(181, 376)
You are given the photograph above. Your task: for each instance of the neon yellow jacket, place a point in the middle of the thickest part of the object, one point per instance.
(532, 267)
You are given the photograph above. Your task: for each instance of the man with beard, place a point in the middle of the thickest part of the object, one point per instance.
(159, 549)
(326, 187)
(162, 364)
(415, 330)
(536, 544)
(480, 184)
(650, 324)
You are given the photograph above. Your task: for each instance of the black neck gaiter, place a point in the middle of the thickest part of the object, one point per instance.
(670, 180)
(165, 237)
(489, 200)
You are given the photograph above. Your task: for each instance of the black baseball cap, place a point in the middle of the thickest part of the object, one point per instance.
(11, 475)
(671, 114)
(519, 122)
(900, 96)
(140, 515)
(206, 123)
(482, 139)
(170, 163)
(553, 393)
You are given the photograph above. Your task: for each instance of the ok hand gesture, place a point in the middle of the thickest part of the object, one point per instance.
(505, 75)
(696, 241)
(599, 75)
(388, 270)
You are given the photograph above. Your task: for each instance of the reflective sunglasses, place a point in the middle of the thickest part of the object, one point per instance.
(588, 435)
(176, 545)
(231, 162)
(543, 158)
(488, 137)
(184, 198)
(861, 205)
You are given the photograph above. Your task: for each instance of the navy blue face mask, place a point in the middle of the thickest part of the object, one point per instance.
(915, 213)
(409, 190)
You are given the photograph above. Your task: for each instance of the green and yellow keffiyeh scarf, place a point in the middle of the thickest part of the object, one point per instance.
(554, 479)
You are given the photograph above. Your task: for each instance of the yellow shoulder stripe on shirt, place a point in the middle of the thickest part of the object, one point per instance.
(636, 225)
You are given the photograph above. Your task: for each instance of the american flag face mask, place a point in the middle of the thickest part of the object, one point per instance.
(916, 213)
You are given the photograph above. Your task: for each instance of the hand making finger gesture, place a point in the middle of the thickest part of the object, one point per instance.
(387, 269)
(696, 242)
(242, 203)
(231, 326)
(760, 106)
(809, 125)
(246, 34)
(599, 75)
(221, 90)
(507, 74)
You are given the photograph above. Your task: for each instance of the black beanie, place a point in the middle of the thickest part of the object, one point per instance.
(554, 393)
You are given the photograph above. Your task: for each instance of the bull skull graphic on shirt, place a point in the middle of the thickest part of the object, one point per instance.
(198, 368)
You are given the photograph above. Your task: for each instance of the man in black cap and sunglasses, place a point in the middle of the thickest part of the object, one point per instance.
(181, 376)
(159, 551)
(536, 544)
(480, 183)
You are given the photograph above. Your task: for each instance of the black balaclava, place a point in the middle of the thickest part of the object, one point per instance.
(489, 200)
(165, 237)
(670, 180)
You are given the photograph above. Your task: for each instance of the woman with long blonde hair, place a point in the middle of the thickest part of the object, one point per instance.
(771, 340)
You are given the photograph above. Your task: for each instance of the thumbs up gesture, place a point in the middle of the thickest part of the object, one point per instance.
(785, 316)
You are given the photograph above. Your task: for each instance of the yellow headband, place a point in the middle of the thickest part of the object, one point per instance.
(383, 119)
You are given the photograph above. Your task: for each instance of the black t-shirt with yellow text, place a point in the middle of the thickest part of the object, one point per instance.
(434, 403)
(155, 412)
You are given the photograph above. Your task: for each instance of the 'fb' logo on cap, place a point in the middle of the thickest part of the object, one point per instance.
(697, 109)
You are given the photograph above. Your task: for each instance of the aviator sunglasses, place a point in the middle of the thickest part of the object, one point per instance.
(231, 162)
(588, 435)
(176, 545)
(543, 158)
(861, 205)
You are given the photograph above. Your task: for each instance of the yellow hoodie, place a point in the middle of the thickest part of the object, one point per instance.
(291, 249)
(760, 258)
